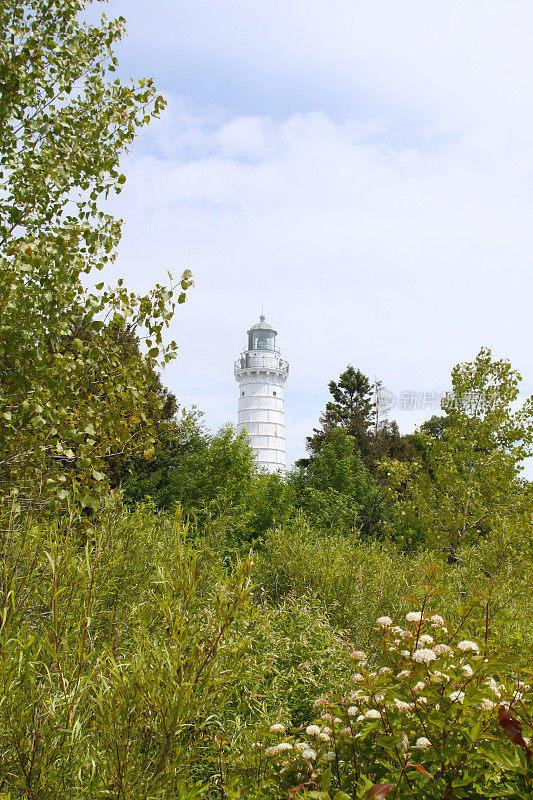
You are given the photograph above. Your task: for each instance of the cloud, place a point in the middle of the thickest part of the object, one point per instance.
(458, 63)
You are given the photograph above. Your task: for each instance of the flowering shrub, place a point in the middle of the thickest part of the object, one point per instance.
(440, 719)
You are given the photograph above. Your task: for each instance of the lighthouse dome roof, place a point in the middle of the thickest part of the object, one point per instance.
(262, 326)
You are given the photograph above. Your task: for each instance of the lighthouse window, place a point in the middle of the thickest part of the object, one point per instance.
(274, 393)
(242, 393)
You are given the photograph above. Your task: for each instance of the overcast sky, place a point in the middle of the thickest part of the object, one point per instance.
(365, 167)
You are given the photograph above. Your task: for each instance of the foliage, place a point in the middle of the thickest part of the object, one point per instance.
(102, 642)
(115, 656)
(351, 408)
(68, 401)
(214, 479)
(424, 725)
(336, 491)
(469, 478)
(355, 579)
(353, 411)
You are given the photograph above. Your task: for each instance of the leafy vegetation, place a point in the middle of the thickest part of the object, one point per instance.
(69, 400)
(174, 624)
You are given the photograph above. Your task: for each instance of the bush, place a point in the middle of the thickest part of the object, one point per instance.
(355, 580)
(442, 717)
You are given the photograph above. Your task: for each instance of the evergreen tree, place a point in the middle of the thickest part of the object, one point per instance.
(352, 408)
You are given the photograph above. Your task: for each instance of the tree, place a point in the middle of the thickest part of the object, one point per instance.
(67, 401)
(468, 480)
(336, 491)
(351, 409)
(354, 410)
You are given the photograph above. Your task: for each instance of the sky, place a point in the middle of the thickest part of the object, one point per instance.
(363, 169)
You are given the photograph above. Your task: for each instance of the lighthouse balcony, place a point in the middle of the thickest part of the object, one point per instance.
(253, 362)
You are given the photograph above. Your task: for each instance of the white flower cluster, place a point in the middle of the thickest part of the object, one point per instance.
(401, 705)
(278, 748)
(422, 743)
(359, 655)
(424, 656)
(312, 730)
(414, 616)
(465, 646)
(277, 728)
(384, 622)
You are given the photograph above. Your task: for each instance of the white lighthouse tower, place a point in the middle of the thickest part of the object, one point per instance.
(261, 374)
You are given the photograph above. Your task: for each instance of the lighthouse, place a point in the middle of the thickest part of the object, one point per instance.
(261, 374)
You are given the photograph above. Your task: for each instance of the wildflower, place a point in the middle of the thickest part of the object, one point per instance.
(422, 743)
(357, 677)
(459, 696)
(384, 670)
(426, 639)
(309, 754)
(324, 737)
(424, 656)
(357, 697)
(345, 732)
(312, 730)
(278, 748)
(359, 655)
(405, 653)
(326, 730)
(321, 701)
(436, 676)
(301, 746)
(372, 713)
(329, 756)
(414, 616)
(401, 705)
(384, 622)
(487, 705)
(493, 686)
(467, 670)
(465, 646)
(436, 620)
(404, 673)
(419, 686)
(327, 718)
(422, 699)
(352, 711)
(440, 649)
(277, 728)
(360, 718)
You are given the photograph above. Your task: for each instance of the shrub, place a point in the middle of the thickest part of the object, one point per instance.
(440, 718)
